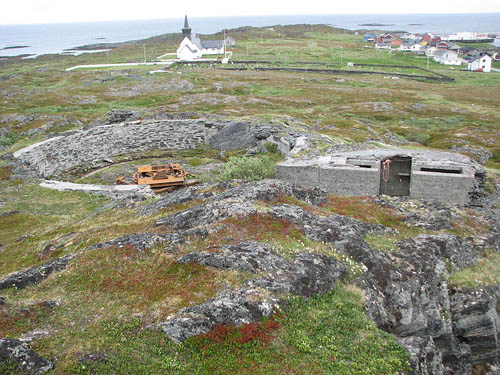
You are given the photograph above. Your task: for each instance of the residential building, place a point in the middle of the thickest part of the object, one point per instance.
(480, 64)
(447, 57)
(369, 38)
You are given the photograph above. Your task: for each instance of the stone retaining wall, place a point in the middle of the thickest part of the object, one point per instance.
(89, 146)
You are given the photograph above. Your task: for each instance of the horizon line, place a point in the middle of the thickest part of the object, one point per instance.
(236, 16)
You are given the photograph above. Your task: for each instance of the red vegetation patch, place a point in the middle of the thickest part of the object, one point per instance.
(141, 278)
(363, 209)
(5, 173)
(236, 337)
(15, 320)
(259, 227)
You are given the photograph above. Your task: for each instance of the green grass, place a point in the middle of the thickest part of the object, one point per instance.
(484, 273)
(327, 334)
(381, 242)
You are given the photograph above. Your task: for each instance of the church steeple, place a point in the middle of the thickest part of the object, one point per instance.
(186, 30)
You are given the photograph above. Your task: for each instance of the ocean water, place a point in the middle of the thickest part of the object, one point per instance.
(54, 38)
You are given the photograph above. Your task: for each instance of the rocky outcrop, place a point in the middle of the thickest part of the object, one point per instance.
(476, 324)
(146, 241)
(20, 353)
(238, 201)
(235, 307)
(35, 275)
(305, 275)
(425, 357)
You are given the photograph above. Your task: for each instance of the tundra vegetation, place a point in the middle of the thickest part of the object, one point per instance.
(106, 298)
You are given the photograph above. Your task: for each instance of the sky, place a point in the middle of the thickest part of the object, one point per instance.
(58, 11)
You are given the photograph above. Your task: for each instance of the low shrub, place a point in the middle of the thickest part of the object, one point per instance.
(251, 168)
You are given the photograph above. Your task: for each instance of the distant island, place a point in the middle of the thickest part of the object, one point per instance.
(376, 24)
(415, 24)
(13, 47)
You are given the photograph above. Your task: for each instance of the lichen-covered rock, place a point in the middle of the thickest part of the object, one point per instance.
(27, 360)
(305, 275)
(176, 197)
(146, 241)
(460, 252)
(476, 323)
(120, 115)
(235, 307)
(35, 275)
(425, 357)
(246, 256)
(433, 220)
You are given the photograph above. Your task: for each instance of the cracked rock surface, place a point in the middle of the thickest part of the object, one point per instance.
(307, 274)
(27, 360)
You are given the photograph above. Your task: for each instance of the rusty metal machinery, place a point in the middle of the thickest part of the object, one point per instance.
(161, 178)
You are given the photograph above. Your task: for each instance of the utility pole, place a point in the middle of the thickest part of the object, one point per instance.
(224, 43)
(341, 55)
(247, 48)
(144, 46)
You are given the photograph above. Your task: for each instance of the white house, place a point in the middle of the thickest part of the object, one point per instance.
(192, 48)
(417, 47)
(481, 63)
(429, 52)
(447, 57)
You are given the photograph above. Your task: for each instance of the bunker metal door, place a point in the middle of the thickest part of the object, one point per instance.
(395, 176)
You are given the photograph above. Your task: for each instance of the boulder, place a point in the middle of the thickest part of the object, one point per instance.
(27, 360)
(35, 275)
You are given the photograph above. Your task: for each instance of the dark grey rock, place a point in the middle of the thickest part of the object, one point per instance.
(235, 307)
(176, 197)
(141, 241)
(305, 275)
(180, 328)
(476, 324)
(247, 256)
(425, 357)
(35, 275)
(459, 252)
(28, 361)
(232, 136)
(433, 220)
(120, 115)
(481, 154)
(146, 241)
(9, 213)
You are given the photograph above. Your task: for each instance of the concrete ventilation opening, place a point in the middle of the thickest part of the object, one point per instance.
(442, 170)
(395, 173)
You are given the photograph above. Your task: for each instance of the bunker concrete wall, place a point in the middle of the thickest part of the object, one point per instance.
(336, 181)
(452, 188)
(349, 181)
(307, 177)
(85, 147)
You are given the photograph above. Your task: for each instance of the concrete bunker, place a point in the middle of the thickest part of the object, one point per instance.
(420, 174)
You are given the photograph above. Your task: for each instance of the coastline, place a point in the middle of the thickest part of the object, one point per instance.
(56, 38)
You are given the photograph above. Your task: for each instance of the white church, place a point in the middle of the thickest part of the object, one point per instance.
(192, 48)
